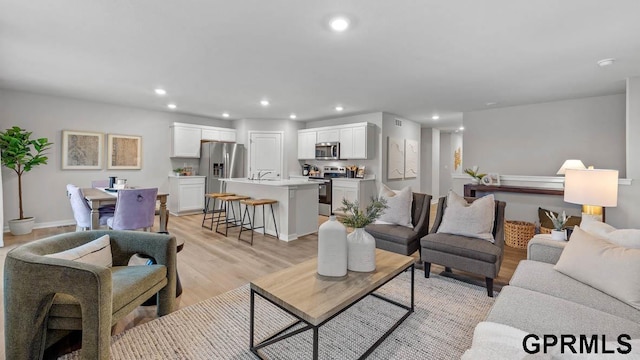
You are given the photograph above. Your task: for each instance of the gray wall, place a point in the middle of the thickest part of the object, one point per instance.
(446, 162)
(426, 161)
(536, 139)
(410, 131)
(44, 187)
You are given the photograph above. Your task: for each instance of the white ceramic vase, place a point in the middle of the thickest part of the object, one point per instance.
(362, 251)
(559, 234)
(332, 248)
(21, 227)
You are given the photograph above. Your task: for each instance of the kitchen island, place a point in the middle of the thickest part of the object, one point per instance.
(296, 212)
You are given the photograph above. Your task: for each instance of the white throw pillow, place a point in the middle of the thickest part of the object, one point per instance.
(607, 267)
(97, 252)
(472, 220)
(629, 238)
(398, 209)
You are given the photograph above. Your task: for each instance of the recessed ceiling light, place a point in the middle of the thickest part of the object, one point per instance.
(435, 117)
(605, 62)
(461, 128)
(264, 102)
(160, 92)
(339, 24)
(491, 103)
(339, 108)
(292, 116)
(225, 114)
(172, 106)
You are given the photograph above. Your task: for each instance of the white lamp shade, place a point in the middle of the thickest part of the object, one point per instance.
(591, 187)
(570, 164)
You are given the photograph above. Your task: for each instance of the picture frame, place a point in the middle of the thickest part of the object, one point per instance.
(491, 179)
(82, 150)
(124, 152)
(395, 158)
(411, 150)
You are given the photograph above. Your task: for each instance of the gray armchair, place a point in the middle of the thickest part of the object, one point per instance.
(45, 298)
(401, 239)
(465, 253)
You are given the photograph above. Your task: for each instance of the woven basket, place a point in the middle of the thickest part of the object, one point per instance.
(518, 233)
(544, 230)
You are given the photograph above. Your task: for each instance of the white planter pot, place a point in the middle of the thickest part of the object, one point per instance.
(21, 227)
(362, 251)
(559, 234)
(332, 249)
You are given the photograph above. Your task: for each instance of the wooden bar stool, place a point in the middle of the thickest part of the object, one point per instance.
(233, 220)
(208, 198)
(254, 203)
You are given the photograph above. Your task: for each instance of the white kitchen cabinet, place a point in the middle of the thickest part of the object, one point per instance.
(185, 140)
(218, 134)
(328, 135)
(306, 144)
(228, 135)
(211, 134)
(360, 190)
(186, 194)
(357, 142)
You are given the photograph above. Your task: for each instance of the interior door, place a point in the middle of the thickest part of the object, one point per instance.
(265, 154)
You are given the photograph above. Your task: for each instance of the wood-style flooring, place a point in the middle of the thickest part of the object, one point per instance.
(211, 264)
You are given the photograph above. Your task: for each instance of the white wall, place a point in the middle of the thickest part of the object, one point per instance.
(44, 187)
(409, 130)
(446, 164)
(536, 139)
(426, 151)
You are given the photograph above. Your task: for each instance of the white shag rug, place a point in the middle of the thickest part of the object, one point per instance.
(446, 312)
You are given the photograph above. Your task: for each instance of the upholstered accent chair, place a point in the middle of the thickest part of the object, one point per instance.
(45, 297)
(465, 253)
(135, 209)
(82, 210)
(401, 239)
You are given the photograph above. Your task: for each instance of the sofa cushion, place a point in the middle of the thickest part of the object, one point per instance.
(398, 209)
(128, 283)
(472, 220)
(462, 246)
(394, 233)
(539, 313)
(541, 277)
(607, 267)
(97, 252)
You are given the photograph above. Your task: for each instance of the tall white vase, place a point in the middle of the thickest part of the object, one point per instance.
(332, 249)
(362, 251)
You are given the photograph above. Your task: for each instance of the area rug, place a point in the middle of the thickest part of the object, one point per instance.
(446, 312)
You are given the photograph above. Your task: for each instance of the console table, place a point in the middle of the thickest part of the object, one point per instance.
(471, 189)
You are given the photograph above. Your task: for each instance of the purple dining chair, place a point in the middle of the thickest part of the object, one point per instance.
(135, 209)
(82, 210)
(109, 208)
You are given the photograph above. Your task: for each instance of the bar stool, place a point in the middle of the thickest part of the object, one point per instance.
(234, 221)
(207, 199)
(254, 203)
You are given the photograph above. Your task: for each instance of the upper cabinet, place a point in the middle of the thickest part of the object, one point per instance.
(306, 144)
(328, 135)
(185, 140)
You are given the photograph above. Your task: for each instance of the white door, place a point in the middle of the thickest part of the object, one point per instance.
(265, 154)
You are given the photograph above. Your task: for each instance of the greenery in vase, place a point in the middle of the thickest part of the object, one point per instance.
(356, 218)
(558, 221)
(474, 172)
(21, 154)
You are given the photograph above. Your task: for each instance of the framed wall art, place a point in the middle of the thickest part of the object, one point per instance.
(395, 158)
(124, 152)
(82, 150)
(411, 150)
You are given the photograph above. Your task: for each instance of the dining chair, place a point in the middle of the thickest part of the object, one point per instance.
(82, 210)
(135, 209)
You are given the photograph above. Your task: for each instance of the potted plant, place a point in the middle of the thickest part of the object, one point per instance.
(361, 246)
(475, 174)
(558, 232)
(21, 154)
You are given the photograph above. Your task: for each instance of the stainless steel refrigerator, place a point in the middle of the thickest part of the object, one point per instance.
(220, 160)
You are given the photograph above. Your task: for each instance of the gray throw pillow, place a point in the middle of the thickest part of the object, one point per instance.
(472, 220)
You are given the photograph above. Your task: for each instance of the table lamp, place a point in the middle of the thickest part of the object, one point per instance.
(593, 189)
(570, 164)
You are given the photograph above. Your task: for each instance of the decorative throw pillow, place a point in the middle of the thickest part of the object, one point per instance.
(398, 209)
(629, 238)
(96, 252)
(472, 220)
(545, 222)
(607, 267)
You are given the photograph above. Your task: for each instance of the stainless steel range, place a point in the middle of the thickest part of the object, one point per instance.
(324, 193)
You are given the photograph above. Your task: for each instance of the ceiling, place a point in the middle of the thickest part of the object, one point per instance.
(407, 57)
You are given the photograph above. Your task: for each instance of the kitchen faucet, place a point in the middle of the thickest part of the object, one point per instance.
(261, 174)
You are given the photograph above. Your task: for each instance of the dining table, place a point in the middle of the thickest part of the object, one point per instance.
(97, 197)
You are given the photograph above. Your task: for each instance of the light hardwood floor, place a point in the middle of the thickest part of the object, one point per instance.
(211, 264)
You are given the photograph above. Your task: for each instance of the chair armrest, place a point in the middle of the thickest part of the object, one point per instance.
(161, 247)
(545, 250)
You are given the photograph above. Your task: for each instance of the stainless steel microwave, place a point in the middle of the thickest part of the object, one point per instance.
(328, 151)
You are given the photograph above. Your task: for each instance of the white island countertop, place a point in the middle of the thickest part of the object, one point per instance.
(266, 182)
